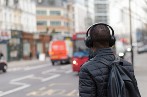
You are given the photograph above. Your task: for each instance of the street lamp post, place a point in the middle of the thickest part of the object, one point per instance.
(130, 18)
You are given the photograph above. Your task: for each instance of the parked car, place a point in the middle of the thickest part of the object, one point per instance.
(3, 63)
(142, 49)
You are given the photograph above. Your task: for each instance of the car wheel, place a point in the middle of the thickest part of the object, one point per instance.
(5, 68)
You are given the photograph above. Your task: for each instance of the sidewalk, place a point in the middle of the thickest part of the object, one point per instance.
(140, 68)
(23, 63)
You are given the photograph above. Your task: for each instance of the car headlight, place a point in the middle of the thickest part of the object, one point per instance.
(74, 62)
(121, 54)
(128, 49)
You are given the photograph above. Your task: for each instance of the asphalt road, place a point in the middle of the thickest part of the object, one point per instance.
(42, 80)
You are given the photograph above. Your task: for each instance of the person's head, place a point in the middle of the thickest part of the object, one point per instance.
(99, 36)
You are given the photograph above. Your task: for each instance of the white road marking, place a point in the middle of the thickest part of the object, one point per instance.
(21, 78)
(51, 77)
(66, 67)
(14, 69)
(56, 71)
(27, 68)
(14, 82)
(69, 71)
(35, 67)
(48, 71)
(72, 93)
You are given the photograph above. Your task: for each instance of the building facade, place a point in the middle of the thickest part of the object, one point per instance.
(54, 16)
(65, 16)
(101, 9)
(83, 14)
(17, 16)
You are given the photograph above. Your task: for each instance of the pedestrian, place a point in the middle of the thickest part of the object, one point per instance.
(94, 74)
(1, 55)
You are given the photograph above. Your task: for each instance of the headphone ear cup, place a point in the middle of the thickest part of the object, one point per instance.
(112, 41)
(88, 42)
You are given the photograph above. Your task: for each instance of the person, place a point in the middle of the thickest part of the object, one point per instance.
(94, 75)
(1, 55)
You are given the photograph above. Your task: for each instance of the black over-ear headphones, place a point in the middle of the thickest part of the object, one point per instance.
(89, 40)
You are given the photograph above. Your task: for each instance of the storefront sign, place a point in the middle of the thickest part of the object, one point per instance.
(5, 35)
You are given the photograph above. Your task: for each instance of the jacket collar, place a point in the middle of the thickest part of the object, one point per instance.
(103, 52)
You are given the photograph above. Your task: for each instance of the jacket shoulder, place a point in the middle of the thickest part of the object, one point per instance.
(127, 65)
(92, 66)
(86, 65)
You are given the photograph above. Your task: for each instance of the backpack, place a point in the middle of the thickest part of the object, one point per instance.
(120, 83)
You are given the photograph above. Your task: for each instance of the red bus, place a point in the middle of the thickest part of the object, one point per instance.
(80, 51)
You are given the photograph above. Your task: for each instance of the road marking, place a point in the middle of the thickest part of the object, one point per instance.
(60, 92)
(43, 88)
(72, 93)
(14, 82)
(27, 68)
(50, 85)
(35, 67)
(32, 93)
(69, 71)
(58, 84)
(53, 70)
(51, 77)
(49, 92)
(48, 71)
(14, 69)
(21, 78)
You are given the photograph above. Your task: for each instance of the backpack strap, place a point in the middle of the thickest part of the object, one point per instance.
(107, 63)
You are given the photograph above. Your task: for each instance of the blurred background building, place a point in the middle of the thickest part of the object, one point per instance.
(83, 14)
(120, 15)
(101, 9)
(17, 16)
(55, 16)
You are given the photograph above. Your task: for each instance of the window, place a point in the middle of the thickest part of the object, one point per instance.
(41, 22)
(101, 8)
(66, 24)
(41, 12)
(55, 13)
(55, 23)
(101, 19)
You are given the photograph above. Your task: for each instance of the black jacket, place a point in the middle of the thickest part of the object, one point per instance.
(93, 76)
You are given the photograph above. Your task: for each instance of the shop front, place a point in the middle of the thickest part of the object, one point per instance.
(4, 39)
(15, 46)
(27, 40)
(34, 44)
(45, 39)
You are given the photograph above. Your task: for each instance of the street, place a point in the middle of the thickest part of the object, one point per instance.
(45, 80)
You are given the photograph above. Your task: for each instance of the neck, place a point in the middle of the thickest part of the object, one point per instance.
(96, 48)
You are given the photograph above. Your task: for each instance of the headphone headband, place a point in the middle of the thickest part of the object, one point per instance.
(100, 24)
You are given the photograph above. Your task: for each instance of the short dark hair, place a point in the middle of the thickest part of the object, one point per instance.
(100, 35)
